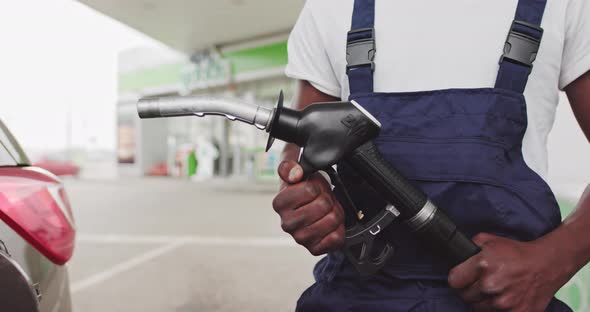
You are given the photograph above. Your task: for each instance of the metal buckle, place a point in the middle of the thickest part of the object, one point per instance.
(520, 47)
(360, 52)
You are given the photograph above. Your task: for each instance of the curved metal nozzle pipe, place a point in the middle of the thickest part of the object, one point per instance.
(155, 107)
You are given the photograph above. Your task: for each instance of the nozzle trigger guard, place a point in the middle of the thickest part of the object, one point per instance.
(359, 243)
(359, 239)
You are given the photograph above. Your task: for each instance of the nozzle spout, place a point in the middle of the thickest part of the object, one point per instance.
(155, 107)
(149, 108)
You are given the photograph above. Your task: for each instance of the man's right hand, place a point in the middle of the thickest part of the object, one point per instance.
(308, 210)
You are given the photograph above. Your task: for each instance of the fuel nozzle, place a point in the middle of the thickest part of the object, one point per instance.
(200, 106)
(325, 132)
(283, 124)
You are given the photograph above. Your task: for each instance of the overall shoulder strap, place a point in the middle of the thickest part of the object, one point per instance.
(522, 45)
(360, 47)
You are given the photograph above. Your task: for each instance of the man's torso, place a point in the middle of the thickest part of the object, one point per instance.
(431, 45)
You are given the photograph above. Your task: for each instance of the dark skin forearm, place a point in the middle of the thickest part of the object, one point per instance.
(308, 209)
(569, 241)
(572, 235)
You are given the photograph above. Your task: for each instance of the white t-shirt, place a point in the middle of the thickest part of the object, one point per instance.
(432, 44)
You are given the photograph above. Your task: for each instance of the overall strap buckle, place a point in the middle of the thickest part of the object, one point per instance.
(522, 43)
(360, 48)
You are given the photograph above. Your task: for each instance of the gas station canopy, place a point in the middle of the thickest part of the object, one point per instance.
(194, 25)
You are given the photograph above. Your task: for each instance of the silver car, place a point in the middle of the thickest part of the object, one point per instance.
(37, 234)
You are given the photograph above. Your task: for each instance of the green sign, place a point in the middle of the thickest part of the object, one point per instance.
(163, 75)
(212, 71)
(259, 58)
(215, 70)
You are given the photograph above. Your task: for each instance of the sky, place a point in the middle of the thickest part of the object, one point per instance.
(58, 62)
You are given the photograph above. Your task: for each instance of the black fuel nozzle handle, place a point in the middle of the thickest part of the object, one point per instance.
(344, 131)
(430, 224)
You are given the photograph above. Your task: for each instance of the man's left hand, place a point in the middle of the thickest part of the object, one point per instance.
(508, 275)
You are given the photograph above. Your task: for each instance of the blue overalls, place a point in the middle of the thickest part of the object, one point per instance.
(463, 148)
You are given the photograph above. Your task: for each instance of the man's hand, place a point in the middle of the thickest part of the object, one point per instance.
(508, 275)
(308, 210)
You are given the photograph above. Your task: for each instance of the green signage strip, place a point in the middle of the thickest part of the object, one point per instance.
(241, 61)
(259, 58)
(163, 75)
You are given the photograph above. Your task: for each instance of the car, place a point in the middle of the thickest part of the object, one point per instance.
(58, 167)
(37, 234)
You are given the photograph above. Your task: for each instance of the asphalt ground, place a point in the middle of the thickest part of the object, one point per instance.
(158, 244)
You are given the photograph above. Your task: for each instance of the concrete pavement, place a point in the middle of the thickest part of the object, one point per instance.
(159, 244)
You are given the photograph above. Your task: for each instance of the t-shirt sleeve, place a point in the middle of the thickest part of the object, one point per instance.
(308, 57)
(576, 50)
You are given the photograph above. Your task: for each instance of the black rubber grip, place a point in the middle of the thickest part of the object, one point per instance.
(441, 236)
(386, 180)
(438, 232)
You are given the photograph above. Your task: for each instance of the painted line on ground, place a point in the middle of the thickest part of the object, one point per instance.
(171, 243)
(124, 266)
(189, 240)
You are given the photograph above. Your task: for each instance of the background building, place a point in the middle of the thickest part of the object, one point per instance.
(252, 70)
(231, 48)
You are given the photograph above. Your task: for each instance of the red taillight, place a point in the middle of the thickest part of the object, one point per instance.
(39, 212)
